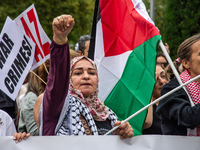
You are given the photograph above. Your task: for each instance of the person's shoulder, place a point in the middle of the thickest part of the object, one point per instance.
(28, 100)
(3, 113)
(29, 96)
(5, 116)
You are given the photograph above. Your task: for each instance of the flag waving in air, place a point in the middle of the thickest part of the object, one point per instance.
(123, 45)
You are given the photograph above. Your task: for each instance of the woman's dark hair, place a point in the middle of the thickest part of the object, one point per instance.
(81, 42)
(160, 54)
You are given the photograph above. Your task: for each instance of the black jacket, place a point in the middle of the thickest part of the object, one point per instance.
(156, 124)
(176, 112)
(7, 104)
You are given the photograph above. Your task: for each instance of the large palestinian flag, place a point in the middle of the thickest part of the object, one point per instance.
(123, 45)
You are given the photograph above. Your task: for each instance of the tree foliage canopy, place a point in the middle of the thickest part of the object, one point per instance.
(182, 20)
(176, 20)
(81, 10)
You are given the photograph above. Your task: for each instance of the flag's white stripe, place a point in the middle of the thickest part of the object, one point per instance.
(99, 45)
(110, 68)
(141, 9)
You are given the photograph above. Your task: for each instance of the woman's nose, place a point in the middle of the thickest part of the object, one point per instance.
(85, 75)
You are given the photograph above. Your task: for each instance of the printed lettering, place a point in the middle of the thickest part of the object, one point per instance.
(2, 60)
(13, 77)
(9, 85)
(8, 41)
(25, 54)
(5, 50)
(27, 42)
(19, 63)
(15, 70)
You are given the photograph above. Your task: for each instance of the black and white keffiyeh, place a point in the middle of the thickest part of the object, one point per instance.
(72, 125)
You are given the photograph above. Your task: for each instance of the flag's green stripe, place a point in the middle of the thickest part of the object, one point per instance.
(133, 91)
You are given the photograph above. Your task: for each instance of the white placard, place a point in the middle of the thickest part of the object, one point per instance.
(16, 57)
(143, 142)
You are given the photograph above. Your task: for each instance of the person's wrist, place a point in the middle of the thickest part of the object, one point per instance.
(60, 41)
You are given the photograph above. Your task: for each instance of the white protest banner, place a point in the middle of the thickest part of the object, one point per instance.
(143, 142)
(16, 57)
(29, 22)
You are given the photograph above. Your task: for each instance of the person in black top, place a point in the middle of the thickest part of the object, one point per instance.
(178, 117)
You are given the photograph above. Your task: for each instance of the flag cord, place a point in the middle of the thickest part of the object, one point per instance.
(46, 68)
(174, 69)
(152, 103)
(38, 77)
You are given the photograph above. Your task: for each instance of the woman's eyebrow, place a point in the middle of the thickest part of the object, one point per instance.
(78, 68)
(162, 72)
(81, 68)
(91, 69)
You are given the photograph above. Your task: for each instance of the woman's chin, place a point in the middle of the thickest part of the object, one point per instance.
(87, 93)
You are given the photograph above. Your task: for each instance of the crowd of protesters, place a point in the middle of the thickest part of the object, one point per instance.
(57, 101)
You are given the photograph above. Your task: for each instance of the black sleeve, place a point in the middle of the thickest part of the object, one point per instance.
(177, 107)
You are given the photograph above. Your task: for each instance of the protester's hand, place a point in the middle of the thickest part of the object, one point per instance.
(62, 26)
(125, 130)
(167, 48)
(18, 137)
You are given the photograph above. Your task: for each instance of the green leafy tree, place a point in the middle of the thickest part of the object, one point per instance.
(182, 20)
(81, 10)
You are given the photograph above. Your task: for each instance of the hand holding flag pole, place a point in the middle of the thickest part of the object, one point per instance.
(152, 103)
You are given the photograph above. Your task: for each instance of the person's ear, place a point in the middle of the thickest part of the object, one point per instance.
(80, 53)
(186, 64)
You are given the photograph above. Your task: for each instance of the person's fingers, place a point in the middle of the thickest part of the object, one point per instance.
(18, 137)
(27, 135)
(123, 128)
(117, 123)
(23, 135)
(61, 23)
(15, 136)
(129, 132)
(57, 23)
(71, 22)
(65, 21)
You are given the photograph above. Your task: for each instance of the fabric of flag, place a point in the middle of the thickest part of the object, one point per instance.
(123, 45)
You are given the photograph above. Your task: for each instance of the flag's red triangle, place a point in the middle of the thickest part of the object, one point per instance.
(123, 27)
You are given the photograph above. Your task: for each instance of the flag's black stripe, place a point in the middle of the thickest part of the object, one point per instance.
(96, 18)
